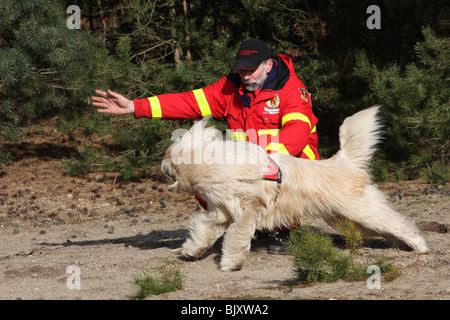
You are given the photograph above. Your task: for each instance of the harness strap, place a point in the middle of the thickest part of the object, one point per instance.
(274, 172)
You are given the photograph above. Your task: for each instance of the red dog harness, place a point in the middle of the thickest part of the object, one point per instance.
(273, 172)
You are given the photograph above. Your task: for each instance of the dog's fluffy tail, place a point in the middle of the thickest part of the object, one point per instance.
(358, 137)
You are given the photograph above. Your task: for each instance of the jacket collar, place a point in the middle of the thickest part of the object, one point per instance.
(278, 79)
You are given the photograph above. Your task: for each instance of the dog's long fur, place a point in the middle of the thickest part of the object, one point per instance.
(240, 202)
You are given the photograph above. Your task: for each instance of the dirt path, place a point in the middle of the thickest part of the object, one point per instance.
(109, 231)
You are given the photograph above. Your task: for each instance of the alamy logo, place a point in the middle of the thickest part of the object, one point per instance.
(212, 147)
(74, 21)
(374, 21)
(374, 281)
(74, 280)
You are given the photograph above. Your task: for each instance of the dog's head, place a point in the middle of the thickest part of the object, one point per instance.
(188, 148)
(206, 147)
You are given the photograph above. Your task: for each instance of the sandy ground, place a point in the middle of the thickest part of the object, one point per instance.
(54, 227)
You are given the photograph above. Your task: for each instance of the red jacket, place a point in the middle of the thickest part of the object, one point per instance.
(278, 116)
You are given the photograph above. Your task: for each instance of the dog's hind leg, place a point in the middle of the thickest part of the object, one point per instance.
(205, 229)
(373, 213)
(237, 240)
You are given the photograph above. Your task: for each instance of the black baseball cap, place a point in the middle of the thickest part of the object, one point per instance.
(251, 53)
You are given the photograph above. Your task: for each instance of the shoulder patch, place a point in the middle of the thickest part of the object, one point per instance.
(304, 94)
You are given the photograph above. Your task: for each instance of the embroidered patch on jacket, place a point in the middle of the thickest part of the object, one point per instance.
(274, 102)
(271, 111)
(304, 94)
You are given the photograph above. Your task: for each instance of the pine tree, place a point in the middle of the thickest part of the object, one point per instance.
(416, 105)
(45, 67)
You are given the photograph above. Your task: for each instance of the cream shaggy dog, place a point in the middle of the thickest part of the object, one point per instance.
(228, 176)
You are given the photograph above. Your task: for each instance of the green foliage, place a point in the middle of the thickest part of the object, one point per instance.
(88, 123)
(317, 259)
(438, 172)
(45, 68)
(352, 235)
(144, 142)
(162, 281)
(387, 268)
(137, 145)
(83, 164)
(6, 157)
(379, 170)
(416, 105)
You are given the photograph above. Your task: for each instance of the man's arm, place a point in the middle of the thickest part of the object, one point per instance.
(173, 106)
(298, 125)
(194, 104)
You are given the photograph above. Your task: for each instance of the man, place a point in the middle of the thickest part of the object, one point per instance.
(264, 103)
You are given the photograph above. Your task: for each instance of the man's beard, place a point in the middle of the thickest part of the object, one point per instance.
(253, 85)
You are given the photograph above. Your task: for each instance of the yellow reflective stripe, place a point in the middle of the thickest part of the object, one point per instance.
(272, 132)
(281, 148)
(278, 147)
(295, 116)
(314, 129)
(309, 153)
(156, 107)
(238, 135)
(202, 102)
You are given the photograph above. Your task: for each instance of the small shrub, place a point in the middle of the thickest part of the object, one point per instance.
(165, 280)
(6, 157)
(388, 269)
(76, 167)
(352, 235)
(316, 259)
(438, 172)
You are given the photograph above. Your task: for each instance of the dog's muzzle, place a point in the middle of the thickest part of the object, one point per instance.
(168, 169)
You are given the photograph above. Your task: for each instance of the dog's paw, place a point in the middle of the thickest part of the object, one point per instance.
(228, 266)
(189, 255)
(229, 269)
(190, 252)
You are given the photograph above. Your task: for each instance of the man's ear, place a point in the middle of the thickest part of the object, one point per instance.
(269, 65)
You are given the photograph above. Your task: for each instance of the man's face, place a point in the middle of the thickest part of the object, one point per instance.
(253, 79)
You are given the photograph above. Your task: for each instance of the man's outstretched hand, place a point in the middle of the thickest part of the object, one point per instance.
(112, 102)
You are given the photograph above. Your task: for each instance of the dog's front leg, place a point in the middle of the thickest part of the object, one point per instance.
(237, 241)
(205, 228)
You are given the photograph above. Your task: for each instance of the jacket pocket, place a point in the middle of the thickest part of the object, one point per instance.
(271, 119)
